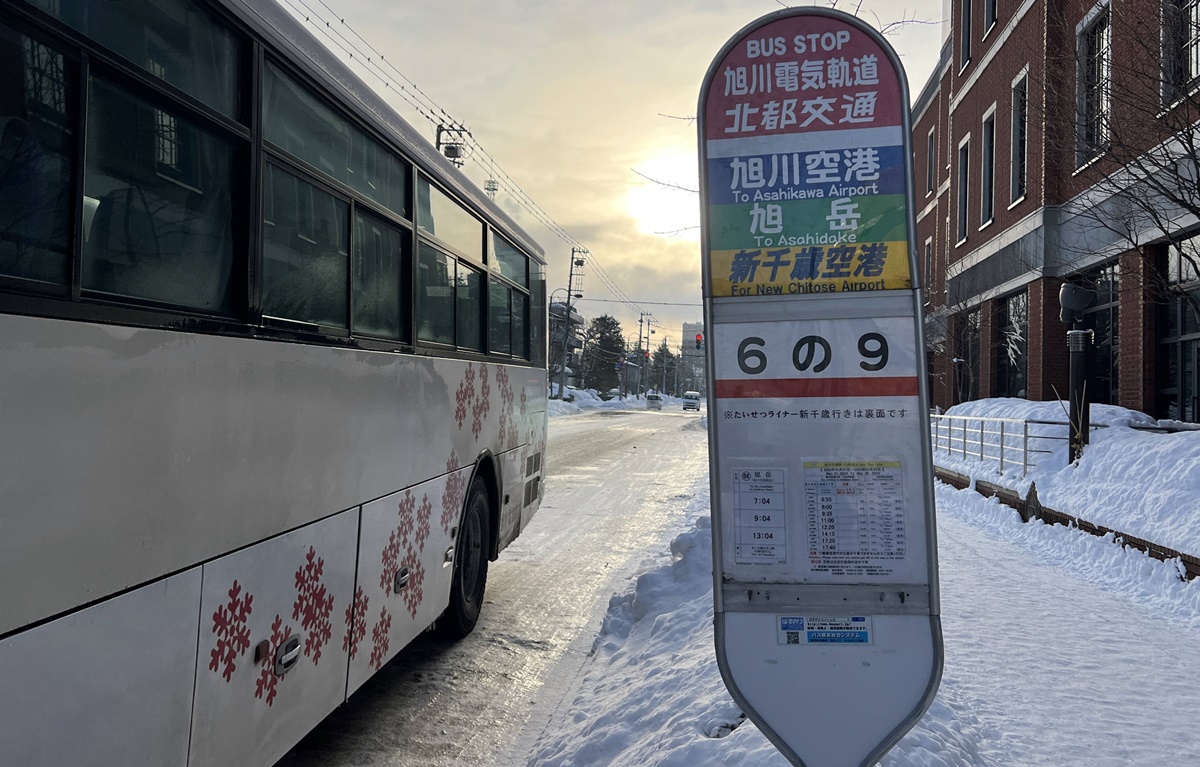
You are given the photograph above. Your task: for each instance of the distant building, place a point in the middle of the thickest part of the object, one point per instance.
(1055, 142)
(571, 333)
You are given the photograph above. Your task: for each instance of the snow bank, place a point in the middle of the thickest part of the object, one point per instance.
(653, 696)
(589, 399)
(1145, 484)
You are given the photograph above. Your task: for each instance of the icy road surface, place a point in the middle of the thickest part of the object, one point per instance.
(615, 489)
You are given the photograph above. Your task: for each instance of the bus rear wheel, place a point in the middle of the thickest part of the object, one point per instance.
(470, 566)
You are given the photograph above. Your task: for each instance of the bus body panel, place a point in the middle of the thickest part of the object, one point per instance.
(110, 684)
(138, 452)
(186, 480)
(406, 533)
(293, 588)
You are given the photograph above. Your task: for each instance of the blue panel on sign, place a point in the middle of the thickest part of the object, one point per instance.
(837, 637)
(791, 624)
(806, 175)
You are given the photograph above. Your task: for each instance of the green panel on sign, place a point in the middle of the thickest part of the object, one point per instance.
(808, 222)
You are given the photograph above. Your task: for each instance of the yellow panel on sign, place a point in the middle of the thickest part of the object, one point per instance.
(843, 268)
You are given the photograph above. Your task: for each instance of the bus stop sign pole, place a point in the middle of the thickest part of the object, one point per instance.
(824, 550)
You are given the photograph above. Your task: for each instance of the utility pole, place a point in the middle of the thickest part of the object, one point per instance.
(577, 255)
(662, 387)
(452, 142)
(644, 354)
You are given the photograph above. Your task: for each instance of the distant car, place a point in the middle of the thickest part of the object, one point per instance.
(691, 400)
(653, 401)
(611, 394)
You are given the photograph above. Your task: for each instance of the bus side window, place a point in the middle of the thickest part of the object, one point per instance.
(162, 229)
(37, 129)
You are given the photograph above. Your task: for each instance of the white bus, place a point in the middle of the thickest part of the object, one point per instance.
(273, 379)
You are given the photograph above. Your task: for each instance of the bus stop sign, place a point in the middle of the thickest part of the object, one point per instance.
(824, 548)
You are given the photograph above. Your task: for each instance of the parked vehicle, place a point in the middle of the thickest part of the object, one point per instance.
(611, 394)
(654, 401)
(691, 400)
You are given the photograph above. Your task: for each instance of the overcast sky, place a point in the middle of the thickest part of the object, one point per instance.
(571, 97)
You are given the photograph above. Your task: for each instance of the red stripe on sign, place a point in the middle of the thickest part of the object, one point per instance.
(884, 386)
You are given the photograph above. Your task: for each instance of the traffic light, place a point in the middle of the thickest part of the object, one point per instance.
(647, 355)
(699, 340)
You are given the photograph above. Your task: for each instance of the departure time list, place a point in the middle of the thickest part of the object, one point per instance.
(855, 512)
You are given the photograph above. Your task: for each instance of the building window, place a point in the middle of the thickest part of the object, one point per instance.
(1179, 349)
(931, 162)
(928, 265)
(1094, 80)
(1102, 317)
(966, 362)
(1012, 339)
(1181, 47)
(1020, 132)
(964, 186)
(964, 44)
(989, 14)
(987, 199)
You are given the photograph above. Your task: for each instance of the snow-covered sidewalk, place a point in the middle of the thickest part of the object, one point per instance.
(1141, 483)
(1061, 649)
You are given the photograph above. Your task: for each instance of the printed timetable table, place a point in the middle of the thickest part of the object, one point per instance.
(855, 513)
(760, 517)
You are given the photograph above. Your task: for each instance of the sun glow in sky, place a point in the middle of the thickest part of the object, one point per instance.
(664, 199)
(571, 97)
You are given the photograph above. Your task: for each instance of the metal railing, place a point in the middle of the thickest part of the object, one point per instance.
(1010, 442)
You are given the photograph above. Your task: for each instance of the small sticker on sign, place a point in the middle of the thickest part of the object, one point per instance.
(800, 630)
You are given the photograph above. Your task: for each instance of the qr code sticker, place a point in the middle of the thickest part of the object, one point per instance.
(793, 637)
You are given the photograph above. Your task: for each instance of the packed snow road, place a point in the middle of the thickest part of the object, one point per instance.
(616, 485)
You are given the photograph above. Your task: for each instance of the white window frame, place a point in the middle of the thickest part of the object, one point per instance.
(931, 162)
(928, 265)
(962, 198)
(964, 36)
(1018, 176)
(1088, 150)
(1180, 49)
(987, 169)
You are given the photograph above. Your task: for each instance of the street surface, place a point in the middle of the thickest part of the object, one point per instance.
(612, 493)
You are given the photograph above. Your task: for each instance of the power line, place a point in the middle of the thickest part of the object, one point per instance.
(435, 114)
(647, 303)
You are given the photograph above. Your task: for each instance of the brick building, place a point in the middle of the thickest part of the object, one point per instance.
(1056, 141)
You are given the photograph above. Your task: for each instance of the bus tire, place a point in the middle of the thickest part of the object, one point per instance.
(470, 566)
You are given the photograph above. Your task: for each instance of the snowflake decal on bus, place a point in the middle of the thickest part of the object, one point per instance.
(452, 496)
(380, 639)
(356, 623)
(391, 558)
(509, 434)
(407, 519)
(267, 680)
(424, 512)
(313, 605)
(415, 591)
(233, 635)
(465, 396)
(483, 404)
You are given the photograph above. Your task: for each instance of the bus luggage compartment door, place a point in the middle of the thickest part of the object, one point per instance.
(271, 661)
(110, 684)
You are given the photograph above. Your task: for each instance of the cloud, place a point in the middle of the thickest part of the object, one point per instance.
(568, 96)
